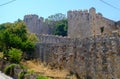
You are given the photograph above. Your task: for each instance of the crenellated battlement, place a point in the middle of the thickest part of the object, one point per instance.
(81, 24)
(77, 15)
(54, 39)
(43, 38)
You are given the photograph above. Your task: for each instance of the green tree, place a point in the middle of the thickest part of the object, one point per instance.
(58, 24)
(29, 48)
(11, 40)
(19, 29)
(56, 17)
(60, 28)
(15, 35)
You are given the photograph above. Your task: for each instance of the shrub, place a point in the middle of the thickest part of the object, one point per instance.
(14, 55)
(9, 70)
(21, 75)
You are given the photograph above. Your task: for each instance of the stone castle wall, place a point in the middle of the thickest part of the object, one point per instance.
(53, 39)
(36, 24)
(82, 53)
(94, 58)
(82, 24)
(78, 24)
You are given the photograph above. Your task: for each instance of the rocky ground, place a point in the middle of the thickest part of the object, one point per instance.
(3, 76)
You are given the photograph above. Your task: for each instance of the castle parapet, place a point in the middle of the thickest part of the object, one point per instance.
(53, 39)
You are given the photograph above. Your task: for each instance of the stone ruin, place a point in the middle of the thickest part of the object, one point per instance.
(90, 51)
(36, 24)
(82, 24)
(90, 58)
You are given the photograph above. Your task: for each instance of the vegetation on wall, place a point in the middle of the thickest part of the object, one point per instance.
(58, 24)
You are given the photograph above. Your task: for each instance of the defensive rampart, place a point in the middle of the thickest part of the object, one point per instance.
(97, 57)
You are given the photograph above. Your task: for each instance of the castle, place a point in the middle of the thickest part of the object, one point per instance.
(81, 24)
(91, 50)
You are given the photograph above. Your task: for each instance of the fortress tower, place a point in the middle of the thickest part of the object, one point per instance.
(82, 24)
(36, 24)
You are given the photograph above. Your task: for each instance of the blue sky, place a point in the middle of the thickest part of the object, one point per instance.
(17, 9)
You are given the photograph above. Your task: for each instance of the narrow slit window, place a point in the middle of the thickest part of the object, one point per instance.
(102, 29)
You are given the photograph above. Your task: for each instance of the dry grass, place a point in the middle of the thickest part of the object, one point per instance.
(46, 71)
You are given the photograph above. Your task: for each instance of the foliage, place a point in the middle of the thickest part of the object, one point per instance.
(22, 66)
(58, 24)
(21, 75)
(9, 69)
(56, 17)
(32, 37)
(11, 40)
(11, 35)
(29, 48)
(60, 28)
(14, 55)
(15, 35)
(1, 54)
(42, 77)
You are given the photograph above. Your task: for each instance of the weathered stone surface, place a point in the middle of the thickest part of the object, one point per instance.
(36, 24)
(86, 51)
(82, 24)
(95, 57)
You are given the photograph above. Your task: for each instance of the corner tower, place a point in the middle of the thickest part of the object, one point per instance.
(78, 24)
(36, 24)
(82, 24)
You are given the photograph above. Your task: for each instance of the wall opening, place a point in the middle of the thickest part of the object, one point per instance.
(102, 29)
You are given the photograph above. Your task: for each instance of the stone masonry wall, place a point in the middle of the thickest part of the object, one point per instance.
(90, 58)
(53, 39)
(86, 51)
(78, 24)
(82, 24)
(36, 24)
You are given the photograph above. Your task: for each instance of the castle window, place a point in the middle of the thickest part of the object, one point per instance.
(102, 29)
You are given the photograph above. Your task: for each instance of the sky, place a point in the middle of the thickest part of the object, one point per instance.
(17, 9)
